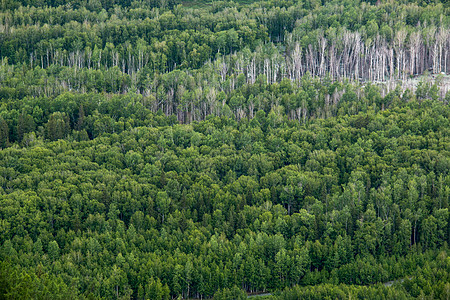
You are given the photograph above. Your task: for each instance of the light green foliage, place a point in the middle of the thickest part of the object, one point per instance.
(150, 150)
(154, 214)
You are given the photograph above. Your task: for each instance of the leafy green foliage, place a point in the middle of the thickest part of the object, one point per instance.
(151, 150)
(160, 209)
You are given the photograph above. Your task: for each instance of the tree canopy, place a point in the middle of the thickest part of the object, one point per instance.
(165, 149)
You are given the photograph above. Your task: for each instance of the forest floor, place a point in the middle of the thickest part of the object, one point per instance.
(442, 80)
(411, 83)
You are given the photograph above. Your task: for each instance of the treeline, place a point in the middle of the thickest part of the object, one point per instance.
(92, 5)
(224, 59)
(155, 210)
(91, 114)
(348, 39)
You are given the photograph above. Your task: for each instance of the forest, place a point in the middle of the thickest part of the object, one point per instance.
(166, 149)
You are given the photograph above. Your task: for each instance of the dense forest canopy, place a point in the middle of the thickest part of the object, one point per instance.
(184, 149)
